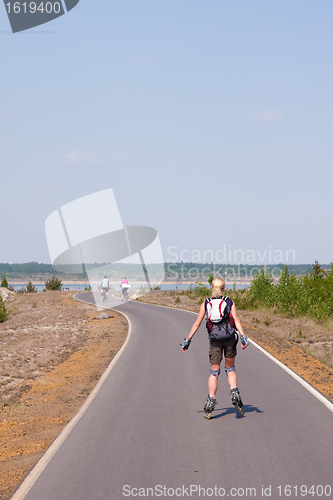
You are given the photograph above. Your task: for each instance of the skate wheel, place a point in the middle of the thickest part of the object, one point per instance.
(240, 410)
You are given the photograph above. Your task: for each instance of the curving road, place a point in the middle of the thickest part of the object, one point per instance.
(145, 426)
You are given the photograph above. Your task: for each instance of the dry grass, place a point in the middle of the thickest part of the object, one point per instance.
(40, 333)
(313, 338)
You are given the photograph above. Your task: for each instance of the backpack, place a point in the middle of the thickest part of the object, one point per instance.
(219, 324)
(217, 309)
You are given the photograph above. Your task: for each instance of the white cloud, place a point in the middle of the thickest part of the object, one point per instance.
(267, 116)
(80, 157)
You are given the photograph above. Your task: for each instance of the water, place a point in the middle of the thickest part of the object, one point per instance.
(41, 287)
(80, 287)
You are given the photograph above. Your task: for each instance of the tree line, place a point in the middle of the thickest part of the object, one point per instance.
(310, 295)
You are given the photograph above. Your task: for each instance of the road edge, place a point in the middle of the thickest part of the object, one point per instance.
(36, 471)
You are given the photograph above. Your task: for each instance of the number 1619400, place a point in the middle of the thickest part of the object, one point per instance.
(33, 7)
(319, 491)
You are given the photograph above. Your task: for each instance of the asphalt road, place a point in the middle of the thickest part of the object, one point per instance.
(145, 427)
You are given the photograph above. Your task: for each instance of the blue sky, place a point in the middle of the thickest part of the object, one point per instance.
(212, 122)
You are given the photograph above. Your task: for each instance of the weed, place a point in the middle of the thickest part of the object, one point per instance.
(143, 289)
(3, 311)
(300, 334)
(53, 284)
(4, 282)
(31, 288)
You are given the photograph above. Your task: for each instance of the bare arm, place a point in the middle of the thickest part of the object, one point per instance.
(237, 321)
(198, 321)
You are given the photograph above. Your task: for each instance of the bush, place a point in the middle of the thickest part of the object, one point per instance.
(201, 291)
(317, 298)
(262, 289)
(242, 298)
(288, 294)
(53, 284)
(31, 288)
(310, 295)
(4, 282)
(210, 279)
(3, 311)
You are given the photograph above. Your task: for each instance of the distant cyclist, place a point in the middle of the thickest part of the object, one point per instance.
(105, 284)
(124, 289)
(223, 326)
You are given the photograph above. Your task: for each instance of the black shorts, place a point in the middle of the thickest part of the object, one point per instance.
(218, 347)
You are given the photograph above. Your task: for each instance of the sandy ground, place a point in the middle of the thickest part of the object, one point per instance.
(52, 354)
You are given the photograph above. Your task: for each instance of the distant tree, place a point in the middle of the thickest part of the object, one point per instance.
(317, 270)
(53, 284)
(84, 273)
(31, 288)
(262, 289)
(210, 279)
(4, 282)
(3, 312)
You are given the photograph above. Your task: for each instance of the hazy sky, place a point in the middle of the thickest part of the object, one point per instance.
(211, 120)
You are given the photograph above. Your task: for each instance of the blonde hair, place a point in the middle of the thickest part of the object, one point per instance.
(218, 285)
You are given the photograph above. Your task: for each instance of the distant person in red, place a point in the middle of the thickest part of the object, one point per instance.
(224, 329)
(124, 289)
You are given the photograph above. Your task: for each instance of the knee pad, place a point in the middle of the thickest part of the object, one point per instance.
(215, 373)
(231, 369)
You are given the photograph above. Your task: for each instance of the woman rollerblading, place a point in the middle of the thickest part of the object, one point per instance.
(224, 329)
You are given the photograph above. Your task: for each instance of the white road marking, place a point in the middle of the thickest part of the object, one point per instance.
(299, 379)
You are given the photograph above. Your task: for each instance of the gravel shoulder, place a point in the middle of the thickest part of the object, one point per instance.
(53, 352)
